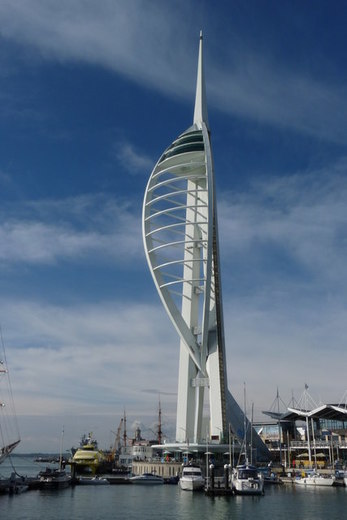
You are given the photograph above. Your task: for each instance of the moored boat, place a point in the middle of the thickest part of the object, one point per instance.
(315, 479)
(20, 488)
(54, 479)
(147, 478)
(246, 480)
(14, 485)
(270, 478)
(94, 481)
(88, 458)
(191, 478)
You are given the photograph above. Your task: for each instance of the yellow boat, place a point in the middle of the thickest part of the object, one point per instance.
(88, 458)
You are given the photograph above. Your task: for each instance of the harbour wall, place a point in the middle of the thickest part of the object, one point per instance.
(163, 469)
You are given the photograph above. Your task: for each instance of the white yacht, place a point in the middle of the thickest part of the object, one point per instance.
(94, 481)
(246, 480)
(192, 478)
(315, 479)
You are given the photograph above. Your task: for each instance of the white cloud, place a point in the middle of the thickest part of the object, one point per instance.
(5, 179)
(122, 36)
(272, 93)
(285, 285)
(132, 160)
(282, 318)
(283, 243)
(46, 231)
(301, 217)
(96, 346)
(152, 43)
(89, 360)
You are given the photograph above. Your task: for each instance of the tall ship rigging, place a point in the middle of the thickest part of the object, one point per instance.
(9, 431)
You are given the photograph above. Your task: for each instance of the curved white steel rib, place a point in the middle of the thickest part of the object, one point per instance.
(176, 205)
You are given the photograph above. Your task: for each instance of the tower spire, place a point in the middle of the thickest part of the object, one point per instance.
(200, 110)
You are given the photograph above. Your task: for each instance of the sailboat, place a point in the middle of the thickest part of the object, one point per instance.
(9, 432)
(55, 478)
(245, 478)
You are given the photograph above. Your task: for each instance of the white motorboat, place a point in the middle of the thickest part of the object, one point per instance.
(315, 479)
(246, 480)
(192, 478)
(147, 478)
(94, 481)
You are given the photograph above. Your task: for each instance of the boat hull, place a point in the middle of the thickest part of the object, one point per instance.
(54, 484)
(191, 478)
(246, 488)
(246, 481)
(315, 481)
(88, 459)
(147, 480)
(189, 484)
(95, 481)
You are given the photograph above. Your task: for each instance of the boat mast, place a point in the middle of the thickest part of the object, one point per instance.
(251, 447)
(245, 423)
(125, 430)
(61, 449)
(279, 425)
(314, 444)
(9, 430)
(160, 432)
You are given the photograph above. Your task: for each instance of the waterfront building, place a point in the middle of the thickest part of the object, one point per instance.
(306, 434)
(180, 233)
(142, 448)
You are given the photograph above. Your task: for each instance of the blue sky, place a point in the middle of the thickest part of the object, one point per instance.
(91, 93)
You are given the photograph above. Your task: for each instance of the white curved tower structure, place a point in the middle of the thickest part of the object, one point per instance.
(180, 234)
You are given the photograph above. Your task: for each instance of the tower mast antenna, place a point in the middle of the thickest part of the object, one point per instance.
(200, 109)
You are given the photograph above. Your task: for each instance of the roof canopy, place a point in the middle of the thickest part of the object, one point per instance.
(332, 412)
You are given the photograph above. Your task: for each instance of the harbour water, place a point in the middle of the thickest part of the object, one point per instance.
(166, 502)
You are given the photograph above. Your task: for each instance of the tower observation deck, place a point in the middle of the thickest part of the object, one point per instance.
(180, 233)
